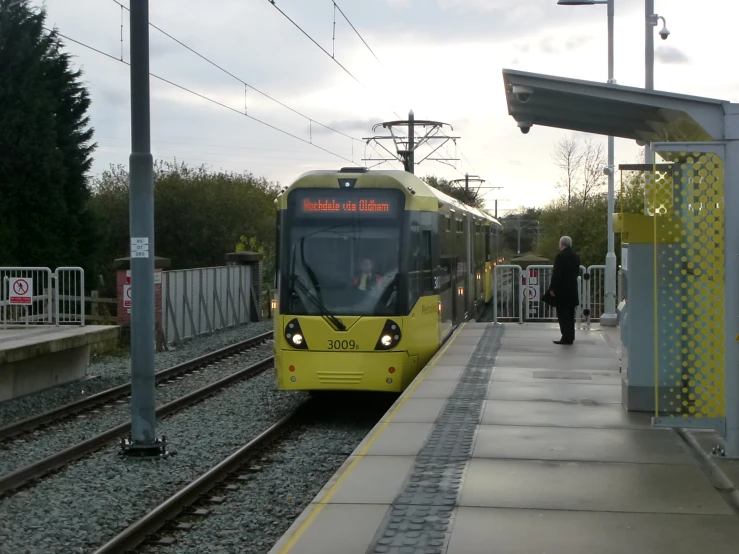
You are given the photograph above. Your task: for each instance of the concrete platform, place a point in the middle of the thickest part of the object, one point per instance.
(36, 358)
(507, 443)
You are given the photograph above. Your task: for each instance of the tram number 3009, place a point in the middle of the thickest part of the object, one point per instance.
(342, 345)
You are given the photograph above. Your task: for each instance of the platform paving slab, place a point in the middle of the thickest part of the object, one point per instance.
(417, 410)
(400, 439)
(504, 531)
(588, 486)
(553, 414)
(556, 391)
(556, 362)
(444, 373)
(643, 446)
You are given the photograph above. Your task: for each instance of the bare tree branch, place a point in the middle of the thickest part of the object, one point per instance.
(582, 167)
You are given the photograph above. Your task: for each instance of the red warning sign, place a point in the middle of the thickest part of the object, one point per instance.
(127, 296)
(21, 291)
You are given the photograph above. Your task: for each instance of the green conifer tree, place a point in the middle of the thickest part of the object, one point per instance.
(45, 147)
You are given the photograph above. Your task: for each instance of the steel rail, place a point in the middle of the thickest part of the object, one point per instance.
(105, 397)
(24, 475)
(138, 532)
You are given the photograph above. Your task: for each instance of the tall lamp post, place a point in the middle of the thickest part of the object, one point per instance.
(609, 316)
(651, 20)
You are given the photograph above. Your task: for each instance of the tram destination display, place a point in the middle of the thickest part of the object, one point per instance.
(369, 203)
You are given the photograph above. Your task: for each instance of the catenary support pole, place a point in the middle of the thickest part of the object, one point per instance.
(411, 143)
(143, 417)
(609, 316)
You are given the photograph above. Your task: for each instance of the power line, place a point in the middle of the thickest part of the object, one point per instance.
(214, 64)
(324, 50)
(355, 30)
(204, 97)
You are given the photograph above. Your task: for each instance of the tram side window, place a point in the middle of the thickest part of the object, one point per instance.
(420, 278)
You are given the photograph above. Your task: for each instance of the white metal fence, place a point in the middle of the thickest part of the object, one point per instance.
(201, 300)
(36, 296)
(516, 300)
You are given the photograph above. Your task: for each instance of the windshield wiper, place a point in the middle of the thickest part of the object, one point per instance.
(318, 300)
(335, 321)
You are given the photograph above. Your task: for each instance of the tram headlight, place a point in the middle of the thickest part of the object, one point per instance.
(294, 335)
(389, 337)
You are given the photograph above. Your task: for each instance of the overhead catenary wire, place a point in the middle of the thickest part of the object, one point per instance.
(202, 96)
(357, 32)
(360, 83)
(239, 79)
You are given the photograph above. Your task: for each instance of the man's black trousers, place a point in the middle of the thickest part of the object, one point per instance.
(566, 318)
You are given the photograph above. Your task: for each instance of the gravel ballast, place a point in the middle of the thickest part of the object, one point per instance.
(109, 371)
(87, 503)
(33, 447)
(254, 517)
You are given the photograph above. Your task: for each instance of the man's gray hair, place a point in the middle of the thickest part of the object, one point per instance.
(566, 242)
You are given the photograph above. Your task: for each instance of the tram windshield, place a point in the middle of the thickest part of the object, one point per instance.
(335, 269)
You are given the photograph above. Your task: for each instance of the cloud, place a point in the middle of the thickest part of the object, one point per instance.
(357, 126)
(671, 55)
(547, 46)
(576, 41)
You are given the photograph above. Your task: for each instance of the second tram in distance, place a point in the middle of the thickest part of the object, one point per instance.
(375, 269)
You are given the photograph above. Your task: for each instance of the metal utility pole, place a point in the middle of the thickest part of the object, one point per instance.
(406, 145)
(518, 250)
(650, 20)
(609, 316)
(411, 157)
(466, 181)
(648, 63)
(143, 441)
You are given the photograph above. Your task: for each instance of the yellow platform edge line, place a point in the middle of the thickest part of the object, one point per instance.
(375, 434)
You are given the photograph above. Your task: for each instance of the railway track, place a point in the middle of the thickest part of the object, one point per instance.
(108, 397)
(25, 475)
(166, 513)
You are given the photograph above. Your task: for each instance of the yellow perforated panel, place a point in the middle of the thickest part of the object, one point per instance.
(689, 286)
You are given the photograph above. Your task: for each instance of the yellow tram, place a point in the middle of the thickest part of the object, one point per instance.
(374, 271)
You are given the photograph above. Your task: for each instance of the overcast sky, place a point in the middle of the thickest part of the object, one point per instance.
(441, 58)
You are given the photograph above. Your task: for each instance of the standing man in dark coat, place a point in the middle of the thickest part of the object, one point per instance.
(564, 289)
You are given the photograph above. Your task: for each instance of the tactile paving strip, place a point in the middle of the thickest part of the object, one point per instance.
(420, 519)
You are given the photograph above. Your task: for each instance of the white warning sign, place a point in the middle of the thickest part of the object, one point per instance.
(21, 291)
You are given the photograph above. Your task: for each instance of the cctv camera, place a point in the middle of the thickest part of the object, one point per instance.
(664, 33)
(608, 170)
(523, 94)
(525, 126)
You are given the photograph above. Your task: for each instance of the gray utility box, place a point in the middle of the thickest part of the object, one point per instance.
(636, 320)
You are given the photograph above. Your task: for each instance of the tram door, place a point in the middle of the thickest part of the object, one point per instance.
(459, 291)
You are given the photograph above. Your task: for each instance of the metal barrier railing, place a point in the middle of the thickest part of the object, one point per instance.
(595, 290)
(506, 293)
(516, 300)
(26, 295)
(69, 295)
(36, 296)
(201, 300)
